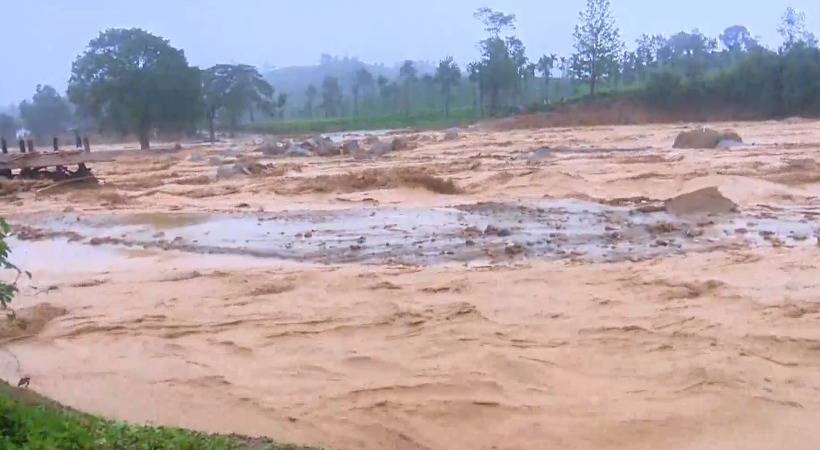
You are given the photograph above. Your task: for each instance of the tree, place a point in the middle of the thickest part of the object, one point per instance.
(800, 80)
(523, 69)
(8, 126)
(502, 60)
(474, 75)
(629, 68)
(331, 97)
(231, 89)
(597, 43)
(281, 101)
(408, 76)
(385, 90)
(363, 81)
(648, 53)
(545, 65)
(448, 75)
(737, 39)
(428, 94)
(793, 30)
(495, 22)
(134, 81)
(689, 53)
(47, 114)
(311, 94)
(683, 44)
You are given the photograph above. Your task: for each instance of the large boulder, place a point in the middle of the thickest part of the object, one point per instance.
(272, 148)
(707, 201)
(380, 149)
(707, 138)
(399, 144)
(326, 147)
(230, 171)
(311, 144)
(350, 147)
(296, 151)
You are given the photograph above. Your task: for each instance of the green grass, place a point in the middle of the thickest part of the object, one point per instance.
(419, 119)
(29, 422)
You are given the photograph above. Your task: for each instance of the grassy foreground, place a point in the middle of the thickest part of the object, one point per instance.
(30, 422)
(420, 119)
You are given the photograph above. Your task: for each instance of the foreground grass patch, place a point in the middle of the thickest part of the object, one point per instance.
(29, 422)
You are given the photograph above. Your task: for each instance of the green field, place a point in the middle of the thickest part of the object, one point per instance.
(30, 422)
(419, 119)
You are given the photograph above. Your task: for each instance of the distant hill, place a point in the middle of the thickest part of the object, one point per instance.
(294, 81)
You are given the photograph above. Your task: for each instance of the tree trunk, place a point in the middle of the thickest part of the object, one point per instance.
(547, 90)
(592, 81)
(211, 130)
(144, 138)
(446, 103)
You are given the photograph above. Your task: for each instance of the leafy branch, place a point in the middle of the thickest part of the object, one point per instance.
(7, 290)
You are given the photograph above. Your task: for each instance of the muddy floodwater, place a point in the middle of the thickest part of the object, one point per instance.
(469, 233)
(497, 288)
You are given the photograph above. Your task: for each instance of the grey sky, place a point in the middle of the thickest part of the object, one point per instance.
(42, 37)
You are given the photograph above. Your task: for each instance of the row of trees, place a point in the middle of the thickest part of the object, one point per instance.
(380, 94)
(46, 114)
(131, 81)
(506, 80)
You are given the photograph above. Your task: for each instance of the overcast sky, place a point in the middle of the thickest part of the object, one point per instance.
(41, 38)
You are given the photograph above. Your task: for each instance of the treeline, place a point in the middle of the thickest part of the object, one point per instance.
(763, 83)
(130, 81)
(687, 67)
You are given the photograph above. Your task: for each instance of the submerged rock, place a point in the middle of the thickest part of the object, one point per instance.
(327, 147)
(295, 151)
(229, 171)
(541, 153)
(350, 147)
(380, 149)
(452, 134)
(707, 201)
(399, 144)
(705, 138)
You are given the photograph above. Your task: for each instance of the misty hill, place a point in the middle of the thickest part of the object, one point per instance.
(294, 81)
